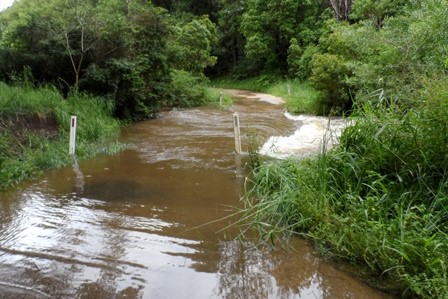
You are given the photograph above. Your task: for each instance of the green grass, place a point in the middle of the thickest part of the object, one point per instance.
(219, 98)
(298, 96)
(378, 201)
(16, 100)
(25, 154)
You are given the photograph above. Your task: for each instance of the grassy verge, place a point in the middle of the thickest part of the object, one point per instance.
(26, 150)
(379, 200)
(299, 96)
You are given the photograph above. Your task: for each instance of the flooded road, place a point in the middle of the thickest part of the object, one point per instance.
(143, 223)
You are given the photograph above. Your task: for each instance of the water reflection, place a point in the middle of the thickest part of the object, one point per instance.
(142, 224)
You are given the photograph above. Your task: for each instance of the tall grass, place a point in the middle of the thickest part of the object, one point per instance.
(298, 96)
(24, 154)
(379, 200)
(16, 100)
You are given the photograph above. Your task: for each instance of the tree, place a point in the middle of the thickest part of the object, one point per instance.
(193, 7)
(230, 47)
(133, 68)
(378, 10)
(269, 27)
(54, 31)
(78, 31)
(192, 44)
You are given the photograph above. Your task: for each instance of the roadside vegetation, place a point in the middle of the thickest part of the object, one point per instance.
(34, 130)
(379, 200)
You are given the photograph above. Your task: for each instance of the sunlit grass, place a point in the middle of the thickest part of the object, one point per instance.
(15, 100)
(298, 96)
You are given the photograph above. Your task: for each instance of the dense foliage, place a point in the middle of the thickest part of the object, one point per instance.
(135, 52)
(130, 52)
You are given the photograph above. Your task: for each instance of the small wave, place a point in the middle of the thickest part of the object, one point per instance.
(24, 288)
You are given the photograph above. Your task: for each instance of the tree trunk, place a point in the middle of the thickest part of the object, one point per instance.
(341, 8)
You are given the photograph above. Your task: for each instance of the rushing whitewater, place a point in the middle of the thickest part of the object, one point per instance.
(313, 135)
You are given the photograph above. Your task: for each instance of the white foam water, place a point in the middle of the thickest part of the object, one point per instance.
(312, 134)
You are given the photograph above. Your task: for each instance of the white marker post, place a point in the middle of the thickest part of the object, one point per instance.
(236, 128)
(72, 145)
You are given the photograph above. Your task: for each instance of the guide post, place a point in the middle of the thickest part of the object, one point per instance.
(72, 144)
(236, 128)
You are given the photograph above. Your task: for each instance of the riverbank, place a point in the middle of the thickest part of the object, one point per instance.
(34, 130)
(376, 201)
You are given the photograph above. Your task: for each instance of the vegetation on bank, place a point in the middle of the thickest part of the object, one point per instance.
(35, 125)
(135, 54)
(299, 97)
(378, 200)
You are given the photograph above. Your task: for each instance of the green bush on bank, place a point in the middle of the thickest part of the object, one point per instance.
(379, 199)
(24, 153)
(188, 90)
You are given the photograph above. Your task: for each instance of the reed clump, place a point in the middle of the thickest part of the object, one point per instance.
(378, 200)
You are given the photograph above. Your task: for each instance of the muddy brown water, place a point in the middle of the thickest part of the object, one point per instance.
(142, 224)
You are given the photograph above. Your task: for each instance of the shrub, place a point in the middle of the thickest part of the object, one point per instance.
(329, 76)
(187, 90)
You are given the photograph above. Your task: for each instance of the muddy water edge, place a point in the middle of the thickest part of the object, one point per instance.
(142, 224)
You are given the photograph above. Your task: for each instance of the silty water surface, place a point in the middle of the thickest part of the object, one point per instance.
(143, 223)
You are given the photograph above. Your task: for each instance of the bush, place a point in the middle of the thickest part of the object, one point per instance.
(329, 76)
(304, 69)
(123, 82)
(187, 90)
